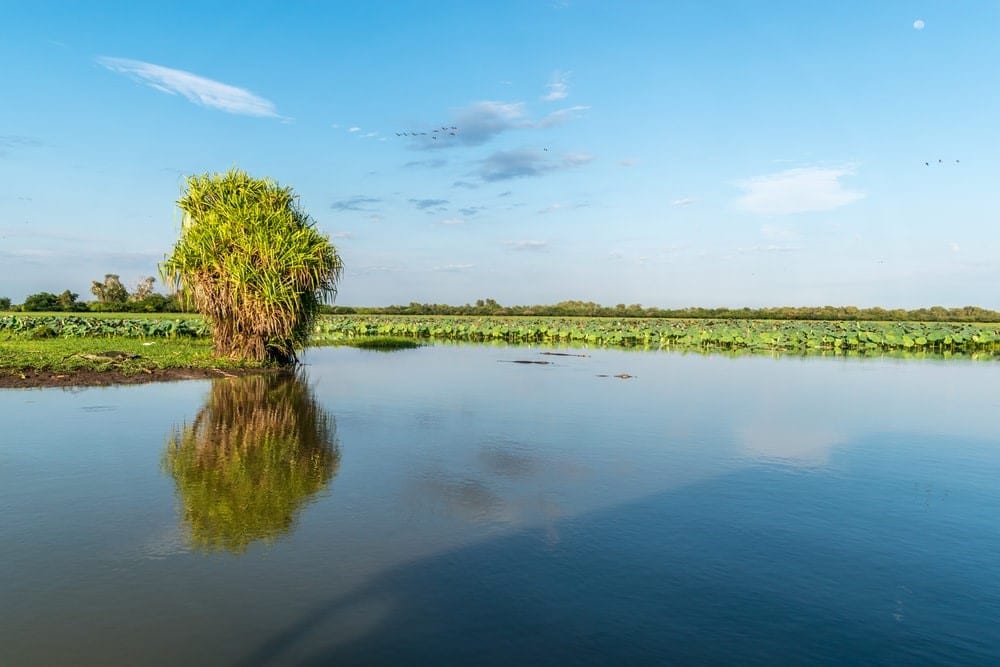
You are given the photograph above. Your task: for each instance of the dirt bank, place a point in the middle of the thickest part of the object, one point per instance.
(27, 378)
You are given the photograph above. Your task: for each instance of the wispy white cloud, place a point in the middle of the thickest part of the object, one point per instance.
(197, 89)
(526, 245)
(802, 190)
(683, 202)
(919, 24)
(454, 267)
(354, 129)
(627, 162)
(342, 235)
(560, 117)
(954, 247)
(558, 87)
(452, 221)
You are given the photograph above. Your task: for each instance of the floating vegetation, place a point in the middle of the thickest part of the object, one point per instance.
(383, 343)
(391, 332)
(795, 337)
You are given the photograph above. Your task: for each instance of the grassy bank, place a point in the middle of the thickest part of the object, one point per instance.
(126, 356)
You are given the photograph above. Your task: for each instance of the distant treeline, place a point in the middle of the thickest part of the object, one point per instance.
(46, 302)
(591, 309)
(156, 303)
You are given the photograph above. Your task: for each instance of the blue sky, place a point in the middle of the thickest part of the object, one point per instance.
(663, 153)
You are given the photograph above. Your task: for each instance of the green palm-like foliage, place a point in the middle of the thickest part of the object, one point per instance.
(253, 263)
(259, 450)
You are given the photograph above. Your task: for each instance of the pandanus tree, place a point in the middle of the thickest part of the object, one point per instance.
(253, 263)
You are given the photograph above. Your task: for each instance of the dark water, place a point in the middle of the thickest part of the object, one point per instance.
(436, 506)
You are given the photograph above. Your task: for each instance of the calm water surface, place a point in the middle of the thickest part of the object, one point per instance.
(441, 506)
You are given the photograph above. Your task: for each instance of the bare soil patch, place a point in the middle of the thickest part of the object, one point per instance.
(29, 378)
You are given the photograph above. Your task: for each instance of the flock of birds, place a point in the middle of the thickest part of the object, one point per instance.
(927, 164)
(446, 130)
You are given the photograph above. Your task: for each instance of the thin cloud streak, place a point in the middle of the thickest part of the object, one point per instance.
(526, 245)
(561, 117)
(196, 89)
(454, 268)
(10, 142)
(506, 165)
(558, 88)
(358, 203)
(424, 204)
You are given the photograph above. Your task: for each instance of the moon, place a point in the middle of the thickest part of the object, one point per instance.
(918, 24)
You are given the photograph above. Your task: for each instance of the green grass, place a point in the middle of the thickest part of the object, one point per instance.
(82, 354)
(382, 343)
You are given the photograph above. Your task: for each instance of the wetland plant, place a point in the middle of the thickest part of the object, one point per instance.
(253, 263)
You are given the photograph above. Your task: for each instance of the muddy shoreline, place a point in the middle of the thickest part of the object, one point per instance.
(37, 379)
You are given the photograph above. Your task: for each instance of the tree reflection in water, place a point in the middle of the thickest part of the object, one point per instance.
(257, 452)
